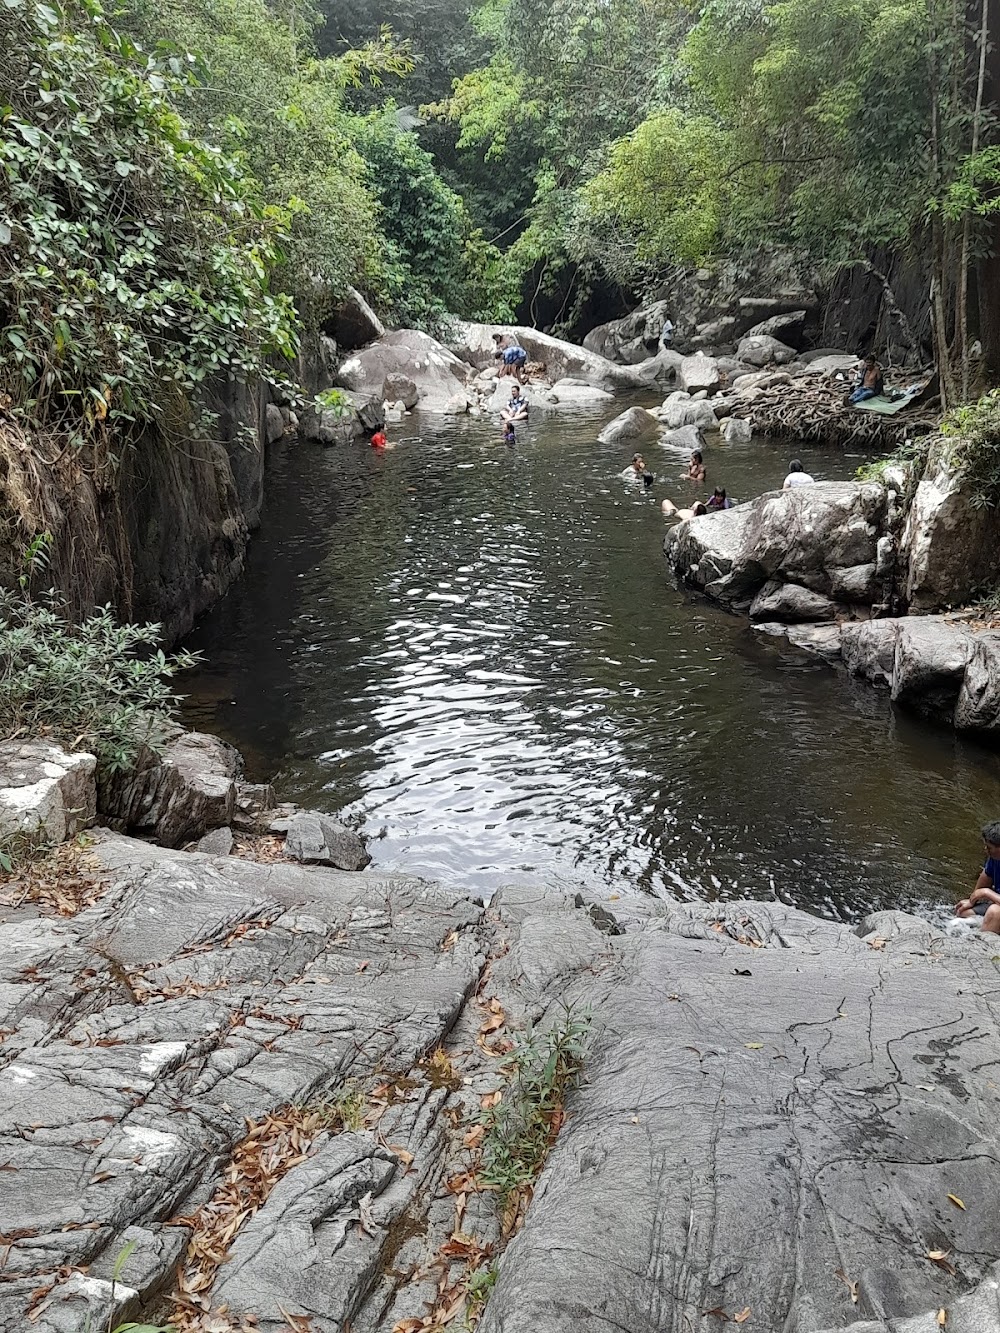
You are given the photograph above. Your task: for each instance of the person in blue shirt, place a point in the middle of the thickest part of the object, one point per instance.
(984, 900)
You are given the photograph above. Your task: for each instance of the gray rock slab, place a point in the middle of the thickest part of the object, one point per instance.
(633, 424)
(217, 843)
(929, 666)
(45, 790)
(754, 1120)
(317, 839)
(790, 602)
(699, 372)
(736, 430)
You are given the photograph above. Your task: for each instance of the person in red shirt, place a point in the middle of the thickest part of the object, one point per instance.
(378, 439)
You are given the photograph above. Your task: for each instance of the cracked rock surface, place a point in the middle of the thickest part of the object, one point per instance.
(773, 1114)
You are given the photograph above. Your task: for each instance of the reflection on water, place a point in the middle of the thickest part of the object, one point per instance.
(474, 653)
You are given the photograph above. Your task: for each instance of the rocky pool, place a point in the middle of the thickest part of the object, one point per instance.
(474, 653)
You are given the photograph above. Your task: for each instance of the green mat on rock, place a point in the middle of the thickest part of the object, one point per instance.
(886, 407)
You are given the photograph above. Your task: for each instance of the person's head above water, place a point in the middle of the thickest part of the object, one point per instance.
(719, 493)
(696, 456)
(795, 465)
(698, 509)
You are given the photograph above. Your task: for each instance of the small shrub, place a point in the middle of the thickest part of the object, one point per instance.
(523, 1125)
(335, 401)
(911, 455)
(98, 685)
(975, 430)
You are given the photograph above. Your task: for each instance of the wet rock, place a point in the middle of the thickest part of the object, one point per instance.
(929, 665)
(319, 840)
(736, 430)
(682, 410)
(789, 602)
(217, 843)
(274, 423)
(175, 796)
(634, 424)
(685, 437)
(977, 708)
(400, 389)
(869, 649)
(699, 372)
(822, 640)
(802, 535)
(45, 790)
(575, 393)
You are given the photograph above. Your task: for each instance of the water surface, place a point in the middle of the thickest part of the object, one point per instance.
(475, 654)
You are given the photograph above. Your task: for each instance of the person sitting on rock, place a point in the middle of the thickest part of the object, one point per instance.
(718, 500)
(670, 510)
(984, 900)
(517, 407)
(696, 468)
(869, 382)
(796, 476)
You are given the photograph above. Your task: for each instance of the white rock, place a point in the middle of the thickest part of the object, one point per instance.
(45, 789)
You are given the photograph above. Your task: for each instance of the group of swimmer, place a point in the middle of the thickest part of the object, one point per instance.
(637, 470)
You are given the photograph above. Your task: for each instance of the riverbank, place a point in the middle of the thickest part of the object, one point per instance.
(247, 1095)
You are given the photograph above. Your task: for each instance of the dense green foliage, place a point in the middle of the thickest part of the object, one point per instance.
(95, 686)
(135, 259)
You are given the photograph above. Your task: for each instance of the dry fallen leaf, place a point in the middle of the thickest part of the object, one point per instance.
(405, 1157)
(754, 1045)
(953, 1198)
(716, 1312)
(474, 1137)
(942, 1317)
(490, 1099)
(743, 1315)
(876, 944)
(851, 1285)
(941, 1258)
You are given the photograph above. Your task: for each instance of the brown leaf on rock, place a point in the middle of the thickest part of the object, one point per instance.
(716, 1312)
(474, 1137)
(491, 1099)
(743, 1315)
(953, 1198)
(941, 1258)
(851, 1286)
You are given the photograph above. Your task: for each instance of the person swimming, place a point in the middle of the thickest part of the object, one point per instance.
(696, 467)
(508, 433)
(670, 510)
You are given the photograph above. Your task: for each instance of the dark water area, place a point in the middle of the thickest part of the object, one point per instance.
(473, 652)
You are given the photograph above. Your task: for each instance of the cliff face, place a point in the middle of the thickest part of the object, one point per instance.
(160, 534)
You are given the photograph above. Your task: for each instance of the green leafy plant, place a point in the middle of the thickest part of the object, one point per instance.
(22, 846)
(335, 401)
(911, 456)
(974, 433)
(96, 685)
(135, 256)
(479, 1284)
(522, 1126)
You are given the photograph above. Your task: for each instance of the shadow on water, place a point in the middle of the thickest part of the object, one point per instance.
(473, 651)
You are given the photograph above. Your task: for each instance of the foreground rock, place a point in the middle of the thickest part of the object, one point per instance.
(203, 1003)
(823, 538)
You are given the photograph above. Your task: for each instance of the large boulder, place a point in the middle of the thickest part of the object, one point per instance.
(699, 372)
(680, 409)
(868, 649)
(176, 795)
(804, 535)
(762, 350)
(354, 323)
(950, 545)
(631, 339)
(634, 424)
(354, 417)
(687, 438)
(474, 344)
(829, 364)
(787, 328)
(929, 665)
(46, 792)
(439, 376)
(736, 430)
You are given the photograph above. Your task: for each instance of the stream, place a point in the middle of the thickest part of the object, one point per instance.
(474, 654)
